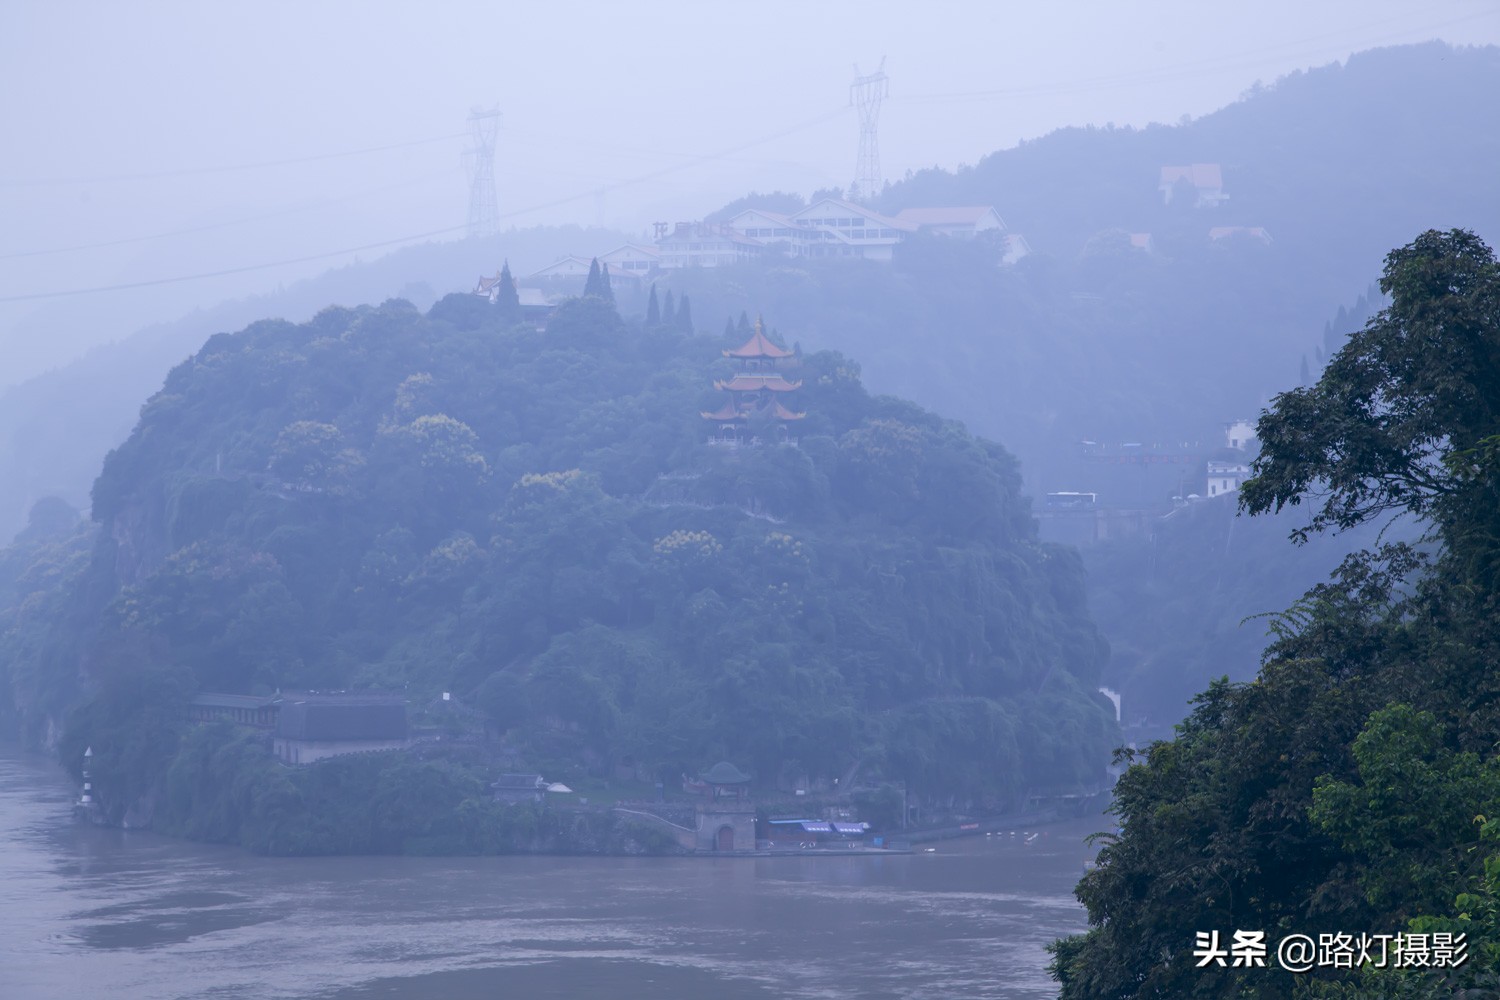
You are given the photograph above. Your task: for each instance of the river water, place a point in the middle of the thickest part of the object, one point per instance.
(90, 913)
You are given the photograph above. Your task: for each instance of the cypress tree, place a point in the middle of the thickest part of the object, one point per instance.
(744, 327)
(685, 316)
(669, 311)
(729, 329)
(591, 286)
(653, 308)
(606, 291)
(507, 298)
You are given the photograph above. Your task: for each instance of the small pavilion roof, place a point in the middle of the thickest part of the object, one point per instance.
(725, 773)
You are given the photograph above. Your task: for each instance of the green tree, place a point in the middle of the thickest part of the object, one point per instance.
(507, 299)
(591, 284)
(1405, 416)
(653, 308)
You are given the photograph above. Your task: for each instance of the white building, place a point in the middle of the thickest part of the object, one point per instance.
(962, 223)
(1226, 477)
(1240, 434)
(1256, 233)
(632, 258)
(699, 244)
(848, 230)
(562, 269)
(829, 227)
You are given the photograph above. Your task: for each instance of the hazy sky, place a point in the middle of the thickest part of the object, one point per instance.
(200, 137)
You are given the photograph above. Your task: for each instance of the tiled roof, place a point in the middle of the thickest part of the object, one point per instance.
(958, 216)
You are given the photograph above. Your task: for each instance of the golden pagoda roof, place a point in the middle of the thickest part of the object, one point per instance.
(749, 382)
(729, 412)
(725, 412)
(758, 346)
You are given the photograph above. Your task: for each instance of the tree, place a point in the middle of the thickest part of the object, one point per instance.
(685, 316)
(669, 311)
(597, 284)
(653, 308)
(1340, 787)
(1406, 416)
(606, 290)
(506, 298)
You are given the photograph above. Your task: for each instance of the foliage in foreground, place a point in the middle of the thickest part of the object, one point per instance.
(1352, 787)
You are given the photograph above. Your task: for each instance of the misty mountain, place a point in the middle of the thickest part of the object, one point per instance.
(533, 522)
(1338, 164)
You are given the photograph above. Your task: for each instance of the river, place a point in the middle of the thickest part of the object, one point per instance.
(91, 914)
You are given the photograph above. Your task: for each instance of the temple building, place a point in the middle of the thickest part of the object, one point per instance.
(755, 391)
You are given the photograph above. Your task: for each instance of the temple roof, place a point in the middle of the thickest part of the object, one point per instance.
(758, 346)
(725, 412)
(729, 412)
(747, 382)
(725, 773)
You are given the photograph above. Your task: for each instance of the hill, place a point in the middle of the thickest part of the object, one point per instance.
(57, 426)
(378, 499)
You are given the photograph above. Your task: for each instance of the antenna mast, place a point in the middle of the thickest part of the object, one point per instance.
(484, 216)
(866, 93)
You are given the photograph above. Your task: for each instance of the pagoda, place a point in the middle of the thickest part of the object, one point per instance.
(755, 390)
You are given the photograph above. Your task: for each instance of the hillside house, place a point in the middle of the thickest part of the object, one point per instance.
(1240, 434)
(630, 261)
(564, 270)
(848, 230)
(241, 709)
(313, 725)
(1225, 477)
(959, 223)
(700, 244)
(1255, 233)
(1205, 179)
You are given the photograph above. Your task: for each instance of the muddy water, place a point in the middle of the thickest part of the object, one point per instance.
(91, 913)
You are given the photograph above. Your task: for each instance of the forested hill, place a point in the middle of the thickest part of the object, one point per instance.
(1337, 163)
(532, 521)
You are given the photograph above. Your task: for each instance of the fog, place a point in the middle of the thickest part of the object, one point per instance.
(152, 144)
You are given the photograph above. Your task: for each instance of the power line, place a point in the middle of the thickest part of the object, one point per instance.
(231, 270)
(225, 168)
(32, 296)
(209, 227)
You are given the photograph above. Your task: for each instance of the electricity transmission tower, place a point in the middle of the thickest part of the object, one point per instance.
(484, 216)
(866, 93)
